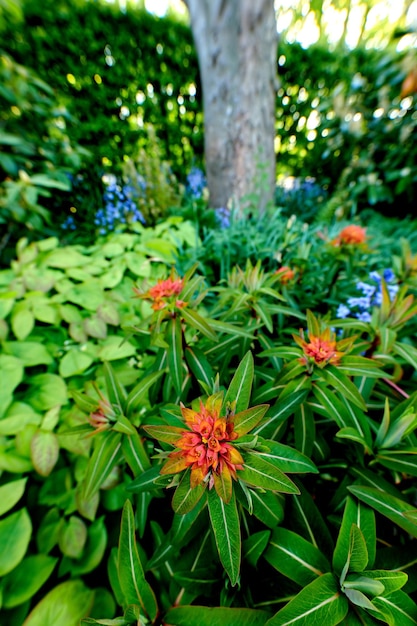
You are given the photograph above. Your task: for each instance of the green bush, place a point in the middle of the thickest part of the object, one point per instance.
(239, 452)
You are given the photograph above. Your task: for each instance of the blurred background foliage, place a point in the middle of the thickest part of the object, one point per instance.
(90, 88)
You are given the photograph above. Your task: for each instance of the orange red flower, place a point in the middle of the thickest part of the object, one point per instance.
(205, 447)
(350, 235)
(321, 349)
(285, 274)
(163, 293)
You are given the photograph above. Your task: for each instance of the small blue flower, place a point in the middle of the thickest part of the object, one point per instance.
(375, 276)
(388, 275)
(196, 182)
(364, 316)
(342, 311)
(361, 303)
(223, 217)
(367, 290)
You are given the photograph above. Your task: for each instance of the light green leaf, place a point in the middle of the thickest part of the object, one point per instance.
(15, 534)
(258, 472)
(397, 608)
(199, 323)
(135, 454)
(44, 451)
(319, 603)
(132, 579)
(74, 362)
(185, 497)
(341, 383)
(26, 579)
(114, 347)
(360, 516)
(10, 494)
(29, 353)
(22, 323)
(244, 421)
(240, 387)
(175, 355)
(105, 457)
(225, 523)
(46, 391)
(199, 365)
(72, 537)
(65, 605)
(284, 457)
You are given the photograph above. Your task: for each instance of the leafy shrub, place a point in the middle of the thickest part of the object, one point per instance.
(233, 455)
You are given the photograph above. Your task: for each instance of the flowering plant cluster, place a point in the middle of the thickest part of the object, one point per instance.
(361, 307)
(120, 207)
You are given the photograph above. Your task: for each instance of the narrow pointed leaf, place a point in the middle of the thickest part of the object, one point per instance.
(186, 497)
(199, 365)
(285, 458)
(319, 603)
(295, 557)
(174, 355)
(105, 456)
(267, 507)
(254, 546)
(199, 323)
(115, 391)
(223, 484)
(135, 454)
(258, 472)
(241, 385)
(343, 385)
(398, 511)
(137, 393)
(244, 421)
(279, 413)
(168, 434)
(307, 521)
(134, 585)
(362, 517)
(304, 429)
(225, 523)
(397, 608)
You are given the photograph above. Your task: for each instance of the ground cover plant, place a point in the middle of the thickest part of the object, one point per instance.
(180, 448)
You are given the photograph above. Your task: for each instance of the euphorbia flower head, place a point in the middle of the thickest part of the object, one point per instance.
(164, 293)
(321, 349)
(205, 446)
(285, 274)
(350, 235)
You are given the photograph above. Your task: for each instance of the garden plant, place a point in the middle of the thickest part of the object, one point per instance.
(207, 415)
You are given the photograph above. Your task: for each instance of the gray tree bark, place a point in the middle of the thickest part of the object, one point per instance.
(236, 42)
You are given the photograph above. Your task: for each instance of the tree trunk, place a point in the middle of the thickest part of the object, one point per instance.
(236, 42)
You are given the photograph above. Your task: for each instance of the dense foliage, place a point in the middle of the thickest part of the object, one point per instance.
(123, 376)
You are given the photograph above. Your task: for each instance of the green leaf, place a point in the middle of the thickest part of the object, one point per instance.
(46, 391)
(199, 323)
(137, 393)
(259, 473)
(304, 429)
(360, 366)
(23, 322)
(225, 523)
(244, 421)
(135, 454)
(319, 603)
(240, 387)
(15, 534)
(284, 457)
(215, 616)
(362, 517)
(147, 481)
(105, 457)
(113, 348)
(115, 391)
(26, 579)
(407, 352)
(278, 414)
(10, 494)
(72, 537)
(199, 365)
(11, 372)
(398, 511)
(186, 497)
(397, 608)
(391, 580)
(93, 551)
(44, 451)
(168, 434)
(132, 579)
(29, 353)
(295, 557)
(65, 605)
(254, 546)
(174, 354)
(307, 521)
(74, 362)
(341, 383)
